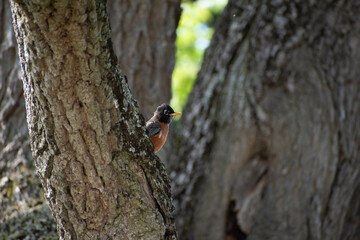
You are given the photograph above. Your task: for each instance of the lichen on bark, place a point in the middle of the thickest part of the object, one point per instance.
(88, 139)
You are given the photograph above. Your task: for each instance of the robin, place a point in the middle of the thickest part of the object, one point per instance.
(158, 125)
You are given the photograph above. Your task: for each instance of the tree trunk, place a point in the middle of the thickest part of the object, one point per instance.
(13, 127)
(20, 188)
(88, 140)
(270, 137)
(144, 35)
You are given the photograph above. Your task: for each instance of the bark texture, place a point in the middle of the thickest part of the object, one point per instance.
(270, 136)
(88, 140)
(143, 34)
(13, 128)
(21, 194)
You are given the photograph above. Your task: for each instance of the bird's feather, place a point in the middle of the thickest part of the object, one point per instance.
(153, 128)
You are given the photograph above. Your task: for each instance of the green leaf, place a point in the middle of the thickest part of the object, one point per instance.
(193, 37)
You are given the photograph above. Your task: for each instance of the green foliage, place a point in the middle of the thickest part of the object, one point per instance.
(193, 37)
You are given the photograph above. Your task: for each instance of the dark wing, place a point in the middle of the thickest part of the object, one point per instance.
(153, 128)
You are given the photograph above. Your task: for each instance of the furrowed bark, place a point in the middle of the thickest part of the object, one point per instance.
(14, 145)
(270, 136)
(21, 194)
(88, 140)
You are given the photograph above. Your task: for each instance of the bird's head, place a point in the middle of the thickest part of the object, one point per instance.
(165, 113)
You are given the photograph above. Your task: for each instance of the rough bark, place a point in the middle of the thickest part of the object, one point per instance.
(13, 127)
(144, 35)
(88, 140)
(21, 194)
(270, 137)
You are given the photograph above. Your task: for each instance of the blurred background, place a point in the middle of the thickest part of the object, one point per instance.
(196, 27)
(269, 140)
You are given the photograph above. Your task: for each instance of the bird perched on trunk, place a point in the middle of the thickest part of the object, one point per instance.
(158, 126)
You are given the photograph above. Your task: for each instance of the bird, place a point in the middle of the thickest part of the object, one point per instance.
(158, 126)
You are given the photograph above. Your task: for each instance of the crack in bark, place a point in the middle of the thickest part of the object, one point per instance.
(35, 35)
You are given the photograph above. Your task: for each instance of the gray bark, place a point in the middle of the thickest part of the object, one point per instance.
(20, 188)
(13, 129)
(144, 35)
(88, 140)
(269, 144)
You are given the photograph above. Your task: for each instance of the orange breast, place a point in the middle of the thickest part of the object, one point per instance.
(160, 138)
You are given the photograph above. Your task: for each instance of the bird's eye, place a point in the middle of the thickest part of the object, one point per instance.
(165, 111)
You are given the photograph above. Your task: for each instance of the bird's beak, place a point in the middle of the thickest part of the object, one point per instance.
(175, 114)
